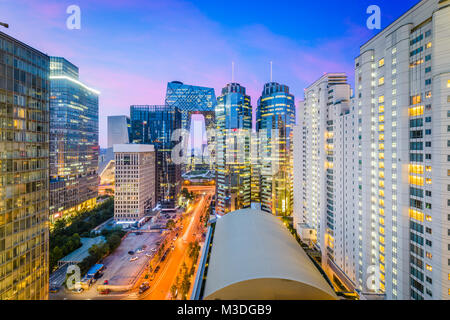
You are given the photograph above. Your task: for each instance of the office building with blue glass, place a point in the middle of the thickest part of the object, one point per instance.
(192, 100)
(275, 119)
(74, 145)
(154, 125)
(233, 160)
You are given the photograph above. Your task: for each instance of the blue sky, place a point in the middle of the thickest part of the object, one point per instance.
(129, 50)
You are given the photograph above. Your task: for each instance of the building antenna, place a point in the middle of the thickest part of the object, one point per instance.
(232, 71)
(271, 71)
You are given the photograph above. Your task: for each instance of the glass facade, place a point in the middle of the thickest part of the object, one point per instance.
(73, 141)
(233, 162)
(193, 100)
(154, 125)
(24, 175)
(275, 120)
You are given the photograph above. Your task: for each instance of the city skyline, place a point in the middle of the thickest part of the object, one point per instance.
(320, 180)
(195, 42)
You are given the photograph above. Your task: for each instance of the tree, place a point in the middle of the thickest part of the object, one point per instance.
(170, 224)
(185, 285)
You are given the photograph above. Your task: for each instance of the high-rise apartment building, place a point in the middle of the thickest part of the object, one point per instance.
(191, 100)
(73, 140)
(275, 120)
(325, 175)
(233, 161)
(24, 171)
(402, 80)
(134, 195)
(118, 130)
(155, 125)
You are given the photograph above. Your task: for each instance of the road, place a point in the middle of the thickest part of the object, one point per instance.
(169, 269)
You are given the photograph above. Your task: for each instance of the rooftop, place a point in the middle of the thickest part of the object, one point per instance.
(253, 256)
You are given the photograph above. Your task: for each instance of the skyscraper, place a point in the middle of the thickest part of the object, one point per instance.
(73, 140)
(233, 162)
(154, 125)
(325, 171)
(275, 120)
(24, 170)
(191, 100)
(402, 80)
(119, 128)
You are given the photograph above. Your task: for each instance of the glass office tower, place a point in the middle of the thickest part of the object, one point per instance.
(193, 100)
(73, 141)
(233, 162)
(24, 151)
(154, 125)
(275, 120)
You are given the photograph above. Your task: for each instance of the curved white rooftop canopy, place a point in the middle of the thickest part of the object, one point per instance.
(255, 257)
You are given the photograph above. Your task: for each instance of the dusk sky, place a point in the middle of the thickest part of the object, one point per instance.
(129, 50)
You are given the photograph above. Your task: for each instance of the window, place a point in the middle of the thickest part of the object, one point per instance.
(381, 62)
(428, 45)
(427, 82)
(381, 81)
(428, 69)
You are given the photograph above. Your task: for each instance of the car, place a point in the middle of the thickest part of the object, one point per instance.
(106, 291)
(78, 290)
(144, 246)
(54, 290)
(148, 254)
(154, 249)
(139, 251)
(143, 287)
(105, 282)
(175, 239)
(157, 269)
(134, 258)
(131, 252)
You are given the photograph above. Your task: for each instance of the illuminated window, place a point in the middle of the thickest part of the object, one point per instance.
(428, 45)
(448, 83)
(381, 109)
(416, 111)
(416, 215)
(417, 169)
(416, 180)
(381, 81)
(416, 99)
(381, 62)
(429, 268)
(381, 99)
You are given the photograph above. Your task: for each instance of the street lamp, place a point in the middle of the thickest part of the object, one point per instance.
(4, 24)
